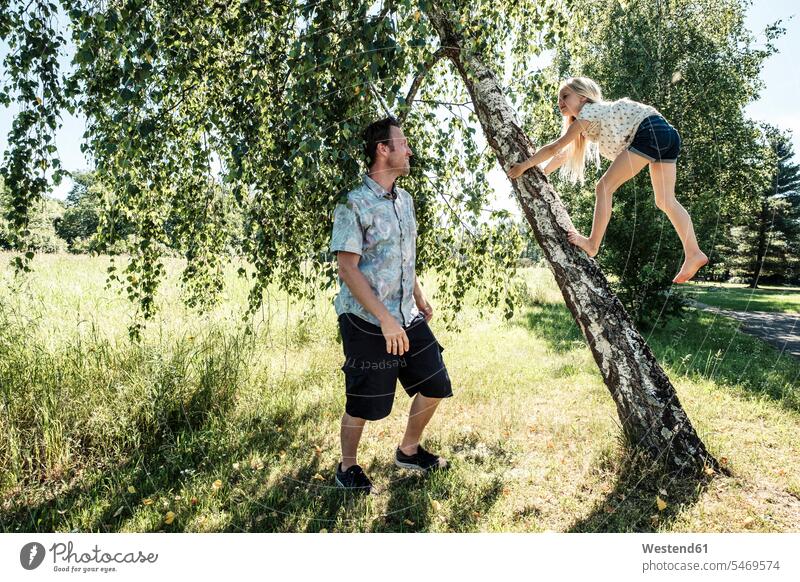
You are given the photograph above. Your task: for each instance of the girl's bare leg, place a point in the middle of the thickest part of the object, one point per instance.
(622, 169)
(662, 175)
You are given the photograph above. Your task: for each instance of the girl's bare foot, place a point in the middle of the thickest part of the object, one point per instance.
(690, 266)
(582, 242)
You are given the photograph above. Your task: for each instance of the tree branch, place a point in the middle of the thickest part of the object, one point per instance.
(379, 98)
(415, 85)
(385, 10)
(448, 103)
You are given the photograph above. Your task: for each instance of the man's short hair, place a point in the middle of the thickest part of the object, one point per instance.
(375, 133)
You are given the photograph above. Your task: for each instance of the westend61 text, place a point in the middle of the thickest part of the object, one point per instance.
(670, 549)
(96, 555)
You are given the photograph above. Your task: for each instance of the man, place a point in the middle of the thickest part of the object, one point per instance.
(383, 313)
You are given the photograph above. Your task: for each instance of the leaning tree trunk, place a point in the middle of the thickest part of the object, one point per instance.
(651, 415)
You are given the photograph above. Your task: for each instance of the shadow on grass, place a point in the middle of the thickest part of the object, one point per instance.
(554, 323)
(469, 488)
(700, 344)
(633, 505)
(712, 346)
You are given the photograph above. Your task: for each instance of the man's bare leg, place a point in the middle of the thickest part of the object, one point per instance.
(351, 431)
(422, 409)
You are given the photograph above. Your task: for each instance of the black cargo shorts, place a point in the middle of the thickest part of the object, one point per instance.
(371, 373)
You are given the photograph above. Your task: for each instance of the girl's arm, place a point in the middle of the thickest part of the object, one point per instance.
(555, 163)
(550, 149)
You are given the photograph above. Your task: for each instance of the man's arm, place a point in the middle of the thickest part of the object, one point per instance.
(396, 339)
(422, 301)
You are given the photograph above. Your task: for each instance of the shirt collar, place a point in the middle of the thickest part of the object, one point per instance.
(379, 190)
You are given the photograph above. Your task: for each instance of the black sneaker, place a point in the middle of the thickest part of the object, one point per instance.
(353, 479)
(422, 460)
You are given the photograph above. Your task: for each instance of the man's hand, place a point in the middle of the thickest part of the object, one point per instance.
(517, 170)
(396, 338)
(425, 308)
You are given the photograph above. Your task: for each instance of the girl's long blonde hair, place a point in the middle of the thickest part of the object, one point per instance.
(579, 150)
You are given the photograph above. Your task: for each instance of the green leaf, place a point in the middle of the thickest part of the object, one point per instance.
(111, 20)
(127, 95)
(147, 127)
(84, 55)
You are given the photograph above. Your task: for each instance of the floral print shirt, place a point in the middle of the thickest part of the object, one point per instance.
(380, 226)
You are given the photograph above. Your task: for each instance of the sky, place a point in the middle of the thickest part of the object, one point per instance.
(776, 105)
(781, 73)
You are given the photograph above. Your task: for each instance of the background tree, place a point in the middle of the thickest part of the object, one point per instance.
(772, 236)
(81, 215)
(42, 236)
(5, 236)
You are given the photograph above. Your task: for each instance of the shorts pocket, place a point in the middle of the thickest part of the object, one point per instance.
(365, 396)
(354, 379)
(439, 356)
(662, 137)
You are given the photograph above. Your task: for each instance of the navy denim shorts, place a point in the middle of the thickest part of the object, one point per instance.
(371, 374)
(656, 140)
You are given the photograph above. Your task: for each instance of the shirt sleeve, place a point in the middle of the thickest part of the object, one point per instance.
(413, 209)
(348, 234)
(591, 113)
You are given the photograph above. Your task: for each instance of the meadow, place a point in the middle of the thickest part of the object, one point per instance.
(203, 428)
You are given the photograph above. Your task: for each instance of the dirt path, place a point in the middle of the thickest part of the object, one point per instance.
(782, 330)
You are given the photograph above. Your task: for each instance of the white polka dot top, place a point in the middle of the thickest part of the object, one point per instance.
(614, 123)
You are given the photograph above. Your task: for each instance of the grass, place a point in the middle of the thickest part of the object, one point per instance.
(742, 298)
(228, 432)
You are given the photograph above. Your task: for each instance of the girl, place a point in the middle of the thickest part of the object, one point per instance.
(630, 134)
